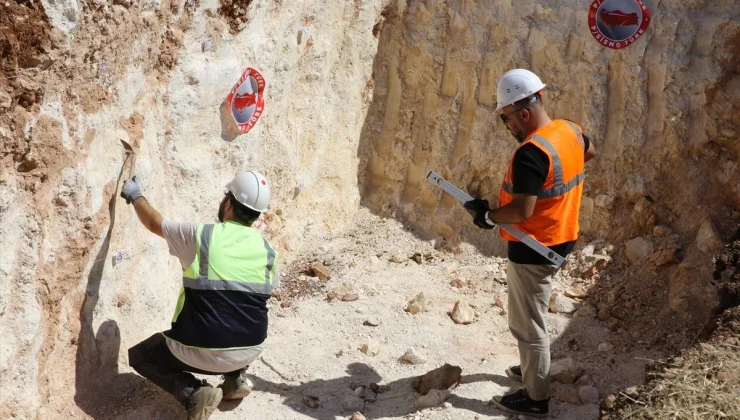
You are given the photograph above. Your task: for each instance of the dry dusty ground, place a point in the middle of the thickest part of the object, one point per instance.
(314, 346)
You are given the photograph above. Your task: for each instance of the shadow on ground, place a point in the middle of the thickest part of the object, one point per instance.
(395, 401)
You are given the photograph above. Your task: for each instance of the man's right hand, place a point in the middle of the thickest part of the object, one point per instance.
(131, 190)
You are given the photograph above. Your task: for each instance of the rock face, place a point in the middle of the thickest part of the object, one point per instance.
(405, 87)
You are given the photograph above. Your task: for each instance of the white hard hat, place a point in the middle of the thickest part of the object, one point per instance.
(516, 85)
(251, 189)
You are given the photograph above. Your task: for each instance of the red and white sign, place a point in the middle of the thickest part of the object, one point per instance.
(245, 101)
(618, 24)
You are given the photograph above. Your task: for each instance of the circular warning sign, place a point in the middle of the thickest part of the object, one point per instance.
(618, 23)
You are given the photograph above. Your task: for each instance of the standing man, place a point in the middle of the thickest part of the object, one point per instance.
(540, 195)
(220, 320)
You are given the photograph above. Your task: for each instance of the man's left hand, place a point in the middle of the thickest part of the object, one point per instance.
(478, 208)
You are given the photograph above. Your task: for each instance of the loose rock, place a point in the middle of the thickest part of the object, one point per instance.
(613, 324)
(417, 304)
(320, 271)
(661, 230)
(604, 347)
(567, 394)
(586, 311)
(565, 371)
(444, 377)
(345, 292)
(372, 322)
(357, 416)
(5, 100)
(562, 304)
(310, 401)
(462, 313)
(707, 239)
(637, 249)
(608, 402)
(588, 395)
(371, 348)
(434, 398)
(576, 292)
(411, 356)
(398, 258)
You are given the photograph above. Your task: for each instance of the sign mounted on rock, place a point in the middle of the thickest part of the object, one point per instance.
(618, 24)
(245, 101)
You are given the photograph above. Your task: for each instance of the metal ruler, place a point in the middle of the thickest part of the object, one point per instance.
(462, 197)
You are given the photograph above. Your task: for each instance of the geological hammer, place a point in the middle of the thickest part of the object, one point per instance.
(130, 151)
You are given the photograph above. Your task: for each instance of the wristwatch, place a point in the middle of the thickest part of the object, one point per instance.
(489, 221)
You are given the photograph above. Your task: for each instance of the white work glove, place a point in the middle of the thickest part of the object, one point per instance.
(131, 190)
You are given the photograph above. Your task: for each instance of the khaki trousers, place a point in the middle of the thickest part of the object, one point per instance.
(530, 287)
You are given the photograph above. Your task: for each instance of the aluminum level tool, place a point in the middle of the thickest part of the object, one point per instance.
(462, 197)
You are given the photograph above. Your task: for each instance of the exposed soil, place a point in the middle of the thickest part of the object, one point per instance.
(235, 13)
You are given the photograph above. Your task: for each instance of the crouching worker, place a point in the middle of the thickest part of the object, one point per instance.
(220, 320)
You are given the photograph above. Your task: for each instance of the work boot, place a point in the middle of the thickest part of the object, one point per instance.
(236, 385)
(203, 402)
(520, 403)
(514, 372)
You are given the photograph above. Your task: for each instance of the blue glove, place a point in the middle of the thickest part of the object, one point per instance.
(131, 190)
(478, 208)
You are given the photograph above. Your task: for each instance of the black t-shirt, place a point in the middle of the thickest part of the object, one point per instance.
(530, 167)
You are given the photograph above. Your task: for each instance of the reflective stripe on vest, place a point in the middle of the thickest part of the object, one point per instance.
(559, 188)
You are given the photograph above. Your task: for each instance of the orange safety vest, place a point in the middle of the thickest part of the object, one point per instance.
(555, 217)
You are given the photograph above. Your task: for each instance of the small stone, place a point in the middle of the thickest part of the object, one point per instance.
(586, 311)
(562, 304)
(637, 249)
(462, 313)
(371, 348)
(457, 283)
(345, 292)
(608, 402)
(5, 100)
(372, 322)
(604, 347)
(604, 313)
(707, 239)
(613, 324)
(604, 201)
(576, 292)
(565, 371)
(357, 416)
(398, 258)
(632, 391)
(442, 378)
(411, 356)
(588, 395)
(417, 304)
(417, 258)
(660, 231)
(447, 405)
(434, 398)
(310, 401)
(320, 271)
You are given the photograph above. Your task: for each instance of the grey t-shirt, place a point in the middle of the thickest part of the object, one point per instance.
(181, 239)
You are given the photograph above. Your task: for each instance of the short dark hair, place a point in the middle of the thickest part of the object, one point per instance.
(242, 213)
(533, 100)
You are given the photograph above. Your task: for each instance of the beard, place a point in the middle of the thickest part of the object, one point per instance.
(221, 209)
(518, 135)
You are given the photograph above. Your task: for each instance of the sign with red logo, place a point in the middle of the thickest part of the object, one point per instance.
(245, 101)
(617, 24)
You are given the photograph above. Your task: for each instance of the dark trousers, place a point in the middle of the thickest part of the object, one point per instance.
(153, 360)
